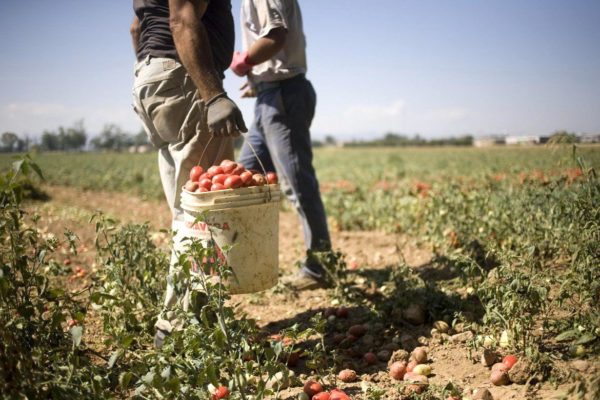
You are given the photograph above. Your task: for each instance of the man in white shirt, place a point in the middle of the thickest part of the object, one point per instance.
(274, 62)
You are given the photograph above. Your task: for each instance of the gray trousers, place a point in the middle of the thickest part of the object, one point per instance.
(173, 115)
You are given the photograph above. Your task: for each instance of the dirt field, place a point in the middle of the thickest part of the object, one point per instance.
(279, 308)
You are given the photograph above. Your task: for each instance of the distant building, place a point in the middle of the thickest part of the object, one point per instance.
(488, 141)
(522, 140)
(144, 148)
(590, 138)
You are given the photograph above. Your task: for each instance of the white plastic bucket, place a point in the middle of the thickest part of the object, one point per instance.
(244, 219)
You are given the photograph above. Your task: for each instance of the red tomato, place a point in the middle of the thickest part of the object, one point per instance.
(219, 178)
(312, 387)
(233, 182)
(322, 396)
(195, 173)
(337, 394)
(271, 178)
(205, 183)
(246, 177)
(205, 175)
(238, 170)
(215, 170)
(217, 186)
(228, 166)
(222, 392)
(202, 189)
(509, 361)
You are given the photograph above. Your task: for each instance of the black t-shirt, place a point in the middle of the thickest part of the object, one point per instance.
(155, 34)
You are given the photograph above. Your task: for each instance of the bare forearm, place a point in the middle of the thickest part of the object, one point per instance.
(193, 48)
(266, 47)
(135, 33)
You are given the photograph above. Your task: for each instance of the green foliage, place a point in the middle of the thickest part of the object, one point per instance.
(40, 355)
(72, 138)
(113, 138)
(520, 227)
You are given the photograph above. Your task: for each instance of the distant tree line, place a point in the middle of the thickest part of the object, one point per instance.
(113, 138)
(394, 139)
(64, 139)
(74, 138)
(10, 142)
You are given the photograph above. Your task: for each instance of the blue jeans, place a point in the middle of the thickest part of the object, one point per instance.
(280, 135)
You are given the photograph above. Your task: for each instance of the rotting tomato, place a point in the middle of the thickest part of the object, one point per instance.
(191, 186)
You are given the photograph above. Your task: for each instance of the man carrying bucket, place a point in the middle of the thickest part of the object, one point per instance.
(274, 61)
(183, 48)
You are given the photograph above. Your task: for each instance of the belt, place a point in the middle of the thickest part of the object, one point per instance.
(262, 86)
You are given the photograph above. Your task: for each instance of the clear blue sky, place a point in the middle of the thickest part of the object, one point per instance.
(437, 68)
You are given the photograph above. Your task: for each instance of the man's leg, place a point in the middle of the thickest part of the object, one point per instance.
(286, 117)
(173, 116)
(254, 141)
(176, 160)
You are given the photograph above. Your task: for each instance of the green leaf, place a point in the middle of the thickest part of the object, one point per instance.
(125, 379)
(37, 170)
(567, 335)
(211, 373)
(18, 166)
(127, 340)
(586, 338)
(76, 335)
(278, 348)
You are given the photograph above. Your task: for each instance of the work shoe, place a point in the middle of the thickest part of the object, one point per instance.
(305, 279)
(159, 338)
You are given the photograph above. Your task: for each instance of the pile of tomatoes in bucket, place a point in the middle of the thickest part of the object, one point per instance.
(227, 175)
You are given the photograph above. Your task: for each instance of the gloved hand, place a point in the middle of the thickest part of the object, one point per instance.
(223, 117)
(240, 64)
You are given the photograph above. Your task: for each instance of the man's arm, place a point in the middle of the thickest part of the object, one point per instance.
(193, 47)
(267, 46)
(261, 50)
(134, 29)
(191, 41)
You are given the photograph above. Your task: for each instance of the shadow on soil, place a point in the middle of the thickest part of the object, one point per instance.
(396, 304)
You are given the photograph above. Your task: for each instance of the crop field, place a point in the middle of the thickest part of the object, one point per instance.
(458, 273)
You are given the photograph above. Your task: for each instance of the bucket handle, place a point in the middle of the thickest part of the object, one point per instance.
(253, 152)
